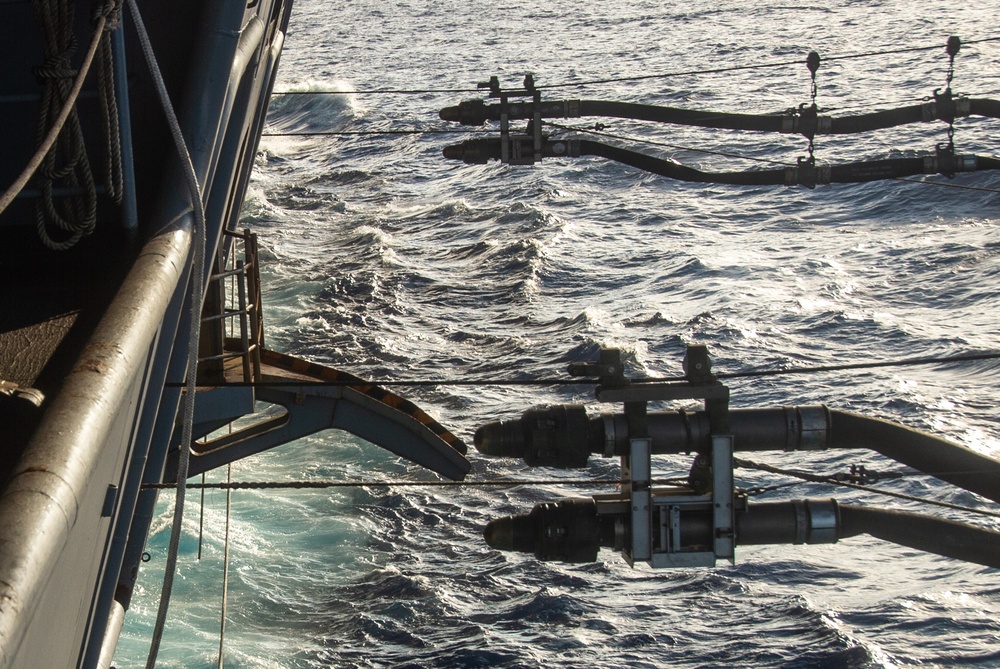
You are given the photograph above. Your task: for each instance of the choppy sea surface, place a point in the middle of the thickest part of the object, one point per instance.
(383, 259)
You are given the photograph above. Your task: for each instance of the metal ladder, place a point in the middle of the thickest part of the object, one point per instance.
(242, 325)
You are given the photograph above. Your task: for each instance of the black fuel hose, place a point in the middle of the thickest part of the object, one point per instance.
(810, 176)
(563, 436)
(476, 112)
(480, 151)
(674, 170)
(925, 533)
(924, 452)
(573, 530)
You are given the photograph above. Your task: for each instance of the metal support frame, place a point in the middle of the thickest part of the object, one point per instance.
(519, 149)
(309, 409)
(653, 534)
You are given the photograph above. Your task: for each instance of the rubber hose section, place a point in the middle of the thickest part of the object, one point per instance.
(771, 123)
(926, 533)
(932, 455)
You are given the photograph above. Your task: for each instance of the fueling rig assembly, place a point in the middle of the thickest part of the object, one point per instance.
(702, 519)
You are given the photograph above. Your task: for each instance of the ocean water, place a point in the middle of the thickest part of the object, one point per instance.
(385, 260)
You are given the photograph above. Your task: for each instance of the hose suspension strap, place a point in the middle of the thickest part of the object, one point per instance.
(954, 44)
(810, 115)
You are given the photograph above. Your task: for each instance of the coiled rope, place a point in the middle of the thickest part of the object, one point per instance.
(57, 69)
(61, 154)
(78, 215)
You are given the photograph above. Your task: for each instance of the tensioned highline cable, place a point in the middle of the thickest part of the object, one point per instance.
(382, 91)
(417, 383)
(735, 68)
(480, 131)
(905, 362)
(898, 102)
(336, 133)
(641, 77)
(803, 477)
(286, 485)
(948, 184)
(815, 478)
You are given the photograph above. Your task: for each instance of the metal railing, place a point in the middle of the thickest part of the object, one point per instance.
(240, 312)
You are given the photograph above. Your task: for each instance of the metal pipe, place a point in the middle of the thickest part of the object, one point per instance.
(41, 502)
(116, 621)
(130, 216)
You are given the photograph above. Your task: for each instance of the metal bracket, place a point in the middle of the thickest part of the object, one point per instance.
(654, 533)
(519, 149)
(638, 490)
(366, 411)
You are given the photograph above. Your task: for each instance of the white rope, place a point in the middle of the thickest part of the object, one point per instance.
(197, 292)
(225, 571)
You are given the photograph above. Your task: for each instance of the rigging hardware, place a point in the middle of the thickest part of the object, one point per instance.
(704, 522)
(953, 47)
(809, 116)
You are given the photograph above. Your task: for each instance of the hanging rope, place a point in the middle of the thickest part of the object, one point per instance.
(108, 102)
(197, 293)
(225, 570)
(66, 162)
